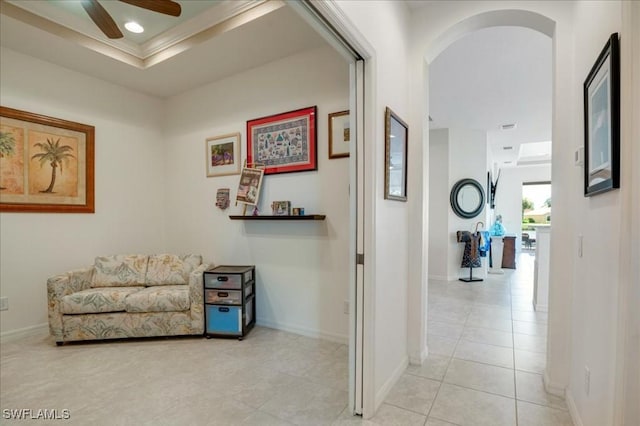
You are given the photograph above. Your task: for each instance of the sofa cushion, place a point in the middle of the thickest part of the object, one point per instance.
(119, 270)
(97, 300)
(168, 298)
(170, 269)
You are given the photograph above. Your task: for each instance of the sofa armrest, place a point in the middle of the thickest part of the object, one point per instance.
(62, 285)
(196, 295)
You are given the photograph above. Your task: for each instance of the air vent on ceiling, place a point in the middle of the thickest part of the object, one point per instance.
(508, 126)
(507, 148)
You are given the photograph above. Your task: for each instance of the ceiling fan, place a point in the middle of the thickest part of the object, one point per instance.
(108, 26)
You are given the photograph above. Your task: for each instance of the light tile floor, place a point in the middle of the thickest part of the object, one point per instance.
(487, 353)
(487, 350)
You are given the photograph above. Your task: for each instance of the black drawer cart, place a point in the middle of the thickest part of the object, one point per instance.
(229, 301)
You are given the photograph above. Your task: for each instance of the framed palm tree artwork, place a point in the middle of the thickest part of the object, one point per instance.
(46, 164)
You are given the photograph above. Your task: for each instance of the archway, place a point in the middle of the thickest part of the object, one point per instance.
(433, 43)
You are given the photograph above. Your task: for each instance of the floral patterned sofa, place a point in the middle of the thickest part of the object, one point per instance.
(128, 296)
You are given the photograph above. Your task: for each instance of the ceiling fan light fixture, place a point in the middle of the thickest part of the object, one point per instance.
(134, 27)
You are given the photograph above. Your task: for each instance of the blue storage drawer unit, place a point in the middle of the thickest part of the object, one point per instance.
(229, 313)
(224, 319)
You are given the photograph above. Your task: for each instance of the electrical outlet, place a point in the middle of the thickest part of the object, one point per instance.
(345, 306)
(587, 380)
(4, 303)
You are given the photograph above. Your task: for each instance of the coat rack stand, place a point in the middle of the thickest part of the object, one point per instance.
(468, 239)
(471, 278)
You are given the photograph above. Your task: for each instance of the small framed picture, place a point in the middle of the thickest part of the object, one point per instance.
(249, 187)
(602, 122)
(339, 134)
(281, 208)
(396, 144)
(223, 155)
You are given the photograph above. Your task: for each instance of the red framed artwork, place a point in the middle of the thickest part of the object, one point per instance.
(285, 142)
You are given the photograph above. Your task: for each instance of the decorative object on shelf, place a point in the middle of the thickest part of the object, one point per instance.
(223, 155)
(497, 229)
(339, 134)
(602, 121)
(298, 211)
(47, 164)
(222, 198)
(281, 208)
(249, 187)
(284, 142)
(467, 198)
(395, 158)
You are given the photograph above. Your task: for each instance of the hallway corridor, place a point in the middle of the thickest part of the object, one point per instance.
(486, 358)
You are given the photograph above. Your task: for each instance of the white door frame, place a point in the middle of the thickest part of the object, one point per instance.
(332, 24)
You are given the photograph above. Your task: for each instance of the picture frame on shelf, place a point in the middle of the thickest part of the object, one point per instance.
(395, 158)
(602, 121)
(281, 208)
(47, 164)
(339, 134)
(223, 155)
(285, 142)
(249, 186)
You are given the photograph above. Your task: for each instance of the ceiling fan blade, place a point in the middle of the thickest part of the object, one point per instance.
(168, 7)
(102, 18)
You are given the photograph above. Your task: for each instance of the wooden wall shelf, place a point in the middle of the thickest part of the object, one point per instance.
(305, 217)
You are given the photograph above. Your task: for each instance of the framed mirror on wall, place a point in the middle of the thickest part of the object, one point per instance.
(395, 164)
(467, 198)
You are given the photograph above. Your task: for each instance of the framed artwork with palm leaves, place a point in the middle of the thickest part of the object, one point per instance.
(46, 164)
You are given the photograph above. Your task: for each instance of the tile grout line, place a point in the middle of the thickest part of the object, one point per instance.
(513, 339)
(447, 369)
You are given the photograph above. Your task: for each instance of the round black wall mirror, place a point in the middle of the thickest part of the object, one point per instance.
(467, 198)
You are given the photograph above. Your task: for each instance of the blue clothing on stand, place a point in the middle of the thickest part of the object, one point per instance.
(485, 243)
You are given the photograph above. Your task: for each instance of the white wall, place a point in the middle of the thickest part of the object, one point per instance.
(439, 206)
(509, 194)
(454, 154)
(596, 280)
(467, 159)
(387, 282)
(301, 267)
(583, 316)
(129, 183)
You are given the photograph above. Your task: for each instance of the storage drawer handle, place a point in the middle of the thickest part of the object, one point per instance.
(223, 278)
(223, 294)
(223, 309)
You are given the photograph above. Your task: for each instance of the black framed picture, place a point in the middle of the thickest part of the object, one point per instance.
(602, 121)
(395, 158)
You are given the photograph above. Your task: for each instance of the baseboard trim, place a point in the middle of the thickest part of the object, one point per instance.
(382, 394)
(413, 360)
(552, 388)
(333, 337)
(439, 278)
(573, 410)
(11, 335)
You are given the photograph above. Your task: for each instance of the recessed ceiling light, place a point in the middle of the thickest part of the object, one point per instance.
(508, 126)
(134, 27)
